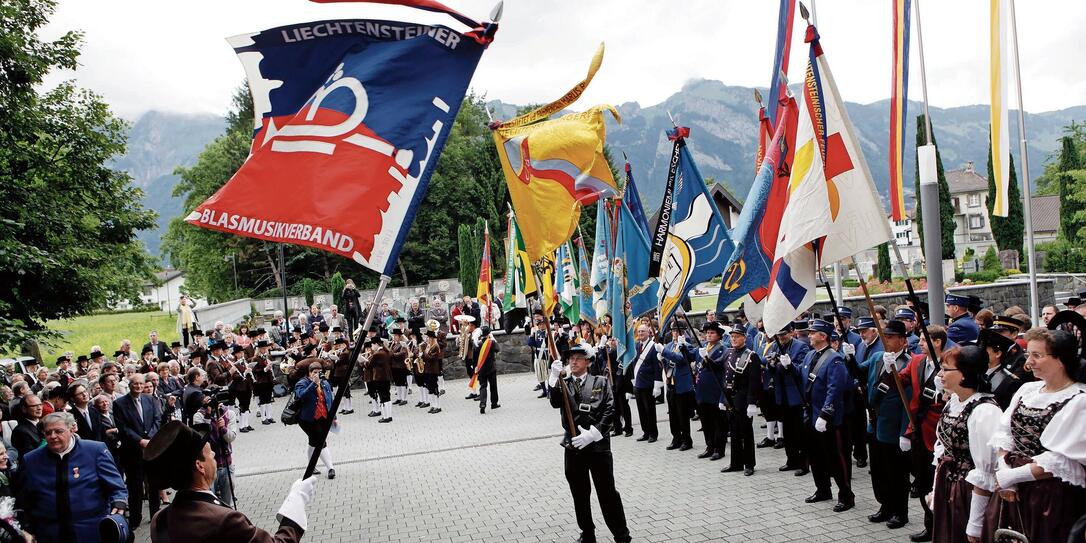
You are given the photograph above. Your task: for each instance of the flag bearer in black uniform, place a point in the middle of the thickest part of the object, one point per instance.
(742, 387)
(588, 453)
(826, 381)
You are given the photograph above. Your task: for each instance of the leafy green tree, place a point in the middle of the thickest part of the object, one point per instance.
(336, 284)
(1072, 184)
(1009, 232)
(468, 259)
(990, 262)
(68, 226)
(946, 206)
(883, 271)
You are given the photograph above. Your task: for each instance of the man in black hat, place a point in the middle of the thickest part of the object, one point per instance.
(888, 443)
(783, 354)
(714, 419)
(487, 349)
(679, 380)
(742, 387)
(588, 446)
(825, 379)
(182, 459)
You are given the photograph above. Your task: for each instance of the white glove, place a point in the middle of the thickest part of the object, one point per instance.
(629, 396)
(657, 388)
(703, 352)
(659, 348)
(785, 360)
(848, 348)
(976, 515)
(904, 443)
(594, 433)
(752, 410)
(889, 362)
(721, 407)
(582, 439)
(820, 424)
(556, 373)
(682, 340)
(1008, 478)
(939, 385)
(300, 495)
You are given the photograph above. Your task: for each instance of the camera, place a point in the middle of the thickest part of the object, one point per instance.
(218, 395)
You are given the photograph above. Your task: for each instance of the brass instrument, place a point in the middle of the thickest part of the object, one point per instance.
(410, 355)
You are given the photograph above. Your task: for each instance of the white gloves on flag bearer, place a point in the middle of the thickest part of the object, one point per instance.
(556, 373)
(849, 349)
(300, 496)
(587, 437)
(785, 360)
(657, 388)
(659, 348)
(752, 410)
(820, 424)
(905, 444)
(889, 362)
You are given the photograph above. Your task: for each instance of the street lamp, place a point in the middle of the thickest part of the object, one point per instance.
(234, 260)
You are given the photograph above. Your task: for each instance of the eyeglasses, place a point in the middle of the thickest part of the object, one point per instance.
(1035, 355)
(948, 370)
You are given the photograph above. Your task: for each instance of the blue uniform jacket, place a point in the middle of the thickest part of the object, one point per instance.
(826, 394)
(306, 391)
(651, 370)
(914, 344)
(863, 351)
(708, 387)
(963, 330)
(891, 420)
(786, 381)
(677, 358)
(854, 339)
(91, 494)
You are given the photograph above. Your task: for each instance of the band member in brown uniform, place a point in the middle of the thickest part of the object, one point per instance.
(399, 349)
(588, 453)
(263, 377)
(380, 364)
(433, 359)
(179, 457)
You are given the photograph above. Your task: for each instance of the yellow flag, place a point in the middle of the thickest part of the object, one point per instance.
(553, 167)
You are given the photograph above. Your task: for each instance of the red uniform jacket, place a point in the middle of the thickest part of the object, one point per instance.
(935, 407)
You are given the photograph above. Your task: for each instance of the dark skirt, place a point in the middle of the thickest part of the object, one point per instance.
(950, 507)
(1044, 512)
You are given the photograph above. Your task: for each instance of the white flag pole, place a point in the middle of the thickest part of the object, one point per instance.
(1034, 313)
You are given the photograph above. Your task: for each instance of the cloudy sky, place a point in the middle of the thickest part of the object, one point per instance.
(143, 55)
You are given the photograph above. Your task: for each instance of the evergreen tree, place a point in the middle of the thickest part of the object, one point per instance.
(946, 206)
(1070, 189)
(468, 260)
(1008, 232)
(883, 271)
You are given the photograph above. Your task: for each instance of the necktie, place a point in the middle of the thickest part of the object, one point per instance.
(139, 409)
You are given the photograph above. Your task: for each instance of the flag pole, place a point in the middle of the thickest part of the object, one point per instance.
(1027, 214)
(929, 199)
(345, 381)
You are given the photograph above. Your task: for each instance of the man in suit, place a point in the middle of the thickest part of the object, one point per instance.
(181, 458)
(161, 350)
(826, 383)
(488, 369)
(138, 417)
(26, 436)
(677, 357)
(87, 421)
(648, 382)
(588, 446)
(890, 421)
(783, 355)
(962, 330)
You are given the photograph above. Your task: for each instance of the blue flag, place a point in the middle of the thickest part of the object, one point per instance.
(584, 284)
(633, 200)
(641, 291)
(698, 244)
(601, 259)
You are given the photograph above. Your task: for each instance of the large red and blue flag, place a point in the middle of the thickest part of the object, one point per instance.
(350, 117)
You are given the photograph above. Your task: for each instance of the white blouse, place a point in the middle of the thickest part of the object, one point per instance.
(982, 424)
(1064, 437)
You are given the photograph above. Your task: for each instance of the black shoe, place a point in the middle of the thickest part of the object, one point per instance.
(716, 456)
(316, 472)
(495, 406)
(861, 462)
(897, 521)
(686, 447)
(374, 414)
(748, 472)
(538, 387)
(819, 496)
(731, 469)
(802, 471)
(245, 430)
(418, 403)
(881, 515)
(652, 439)
(332, 472)
(542, 394)
(434, 410)
(779, 444)
(265, 422)
(644, 437)
(628, 432)
(385, 420)
(424, 405)
(672, 446)
(844, 505)
(272, 421)
(348, 411)
(706, 454)
(921, 536)
(787, 467)
(471, 396)
(765, 443)
(660, 400)
(586, 538)
(616, 432)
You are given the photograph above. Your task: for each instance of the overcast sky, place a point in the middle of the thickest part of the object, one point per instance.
(172, 56)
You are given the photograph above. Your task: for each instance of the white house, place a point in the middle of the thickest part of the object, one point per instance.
(164, 292)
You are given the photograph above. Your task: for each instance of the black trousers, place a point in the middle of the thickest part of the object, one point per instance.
(135, 480)
(623, 415)
(600, 466)
(381, 391)
(185, 338)
(742, 432)
(680, 407)
(828, 453)
(923, 475)
(793, 427)
(890, 477)
(646, 411)
(488, 382)
(714, 427)
(857, 426)
(429, 381)
(470, 368)
(313, 432)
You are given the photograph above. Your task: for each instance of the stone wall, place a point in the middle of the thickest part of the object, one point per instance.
(515, 355)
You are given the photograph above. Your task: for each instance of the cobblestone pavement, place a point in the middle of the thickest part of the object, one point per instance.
(461, 476)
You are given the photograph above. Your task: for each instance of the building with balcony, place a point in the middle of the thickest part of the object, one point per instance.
(969, 196)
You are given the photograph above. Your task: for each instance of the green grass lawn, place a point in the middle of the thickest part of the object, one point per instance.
(107, 330)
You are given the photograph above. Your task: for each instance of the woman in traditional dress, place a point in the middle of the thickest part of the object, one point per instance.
(965, 463)
(1041, 445)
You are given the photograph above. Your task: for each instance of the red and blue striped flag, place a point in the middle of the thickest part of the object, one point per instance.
(899, 105)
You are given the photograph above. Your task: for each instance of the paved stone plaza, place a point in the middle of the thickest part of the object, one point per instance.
(461, 476)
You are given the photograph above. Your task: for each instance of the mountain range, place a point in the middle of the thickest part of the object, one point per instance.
(723, 121)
